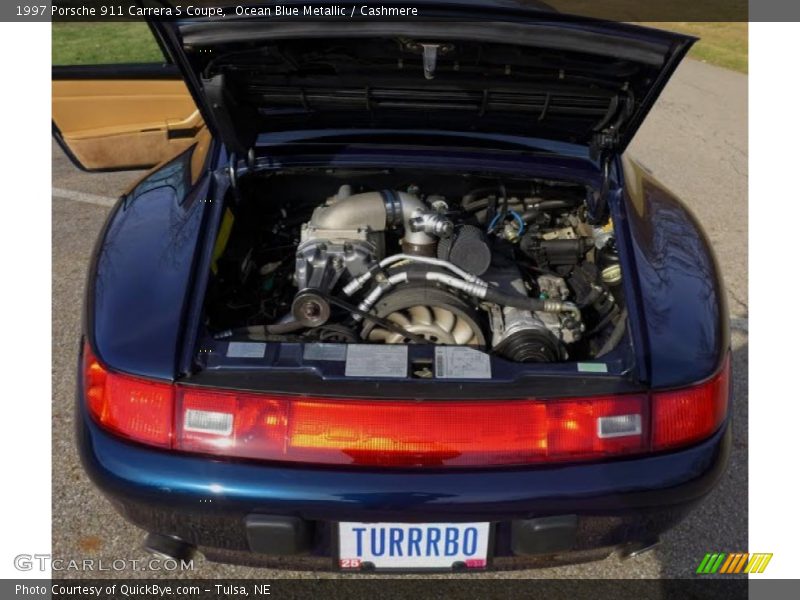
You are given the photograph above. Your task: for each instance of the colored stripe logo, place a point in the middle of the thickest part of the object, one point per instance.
(737, 562)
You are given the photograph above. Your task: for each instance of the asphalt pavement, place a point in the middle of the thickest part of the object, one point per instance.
(695, 141)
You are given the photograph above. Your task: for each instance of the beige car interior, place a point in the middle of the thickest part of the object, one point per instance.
(133, 123)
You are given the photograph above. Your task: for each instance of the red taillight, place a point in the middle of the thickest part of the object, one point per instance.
(401, 433)
(688, 415)
(138, 409)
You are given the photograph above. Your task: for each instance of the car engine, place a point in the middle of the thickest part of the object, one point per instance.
(520, 273)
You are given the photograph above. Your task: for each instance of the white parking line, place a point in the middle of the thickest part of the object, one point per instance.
(84, 197)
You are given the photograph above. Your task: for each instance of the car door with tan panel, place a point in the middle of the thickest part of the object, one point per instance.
(118, 102)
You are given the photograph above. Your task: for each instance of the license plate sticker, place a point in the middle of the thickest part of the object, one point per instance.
(417, 546)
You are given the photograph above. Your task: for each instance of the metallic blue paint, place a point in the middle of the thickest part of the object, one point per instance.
(683, 316)
(140, 276)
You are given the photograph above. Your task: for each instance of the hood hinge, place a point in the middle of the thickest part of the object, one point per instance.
(235, 124)
(234, 170)
(603, 143)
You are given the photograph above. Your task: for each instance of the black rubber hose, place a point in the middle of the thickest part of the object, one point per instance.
(514, 300)
(603, 322)
(591, 298)
(616, 335)
(473, 195)
(282, 328)
(483, 203)
(545, 205)
(493, 295)
(261, 332)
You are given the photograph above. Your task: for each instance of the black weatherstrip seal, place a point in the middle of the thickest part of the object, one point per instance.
(116, 71)
(538, 35)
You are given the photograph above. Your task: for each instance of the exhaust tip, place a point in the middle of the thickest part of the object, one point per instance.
(634, 549)
(168, 546)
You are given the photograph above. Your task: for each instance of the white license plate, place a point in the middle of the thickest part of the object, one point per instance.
(413, 545)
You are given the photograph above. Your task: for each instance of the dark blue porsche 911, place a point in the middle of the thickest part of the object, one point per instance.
(392, 297)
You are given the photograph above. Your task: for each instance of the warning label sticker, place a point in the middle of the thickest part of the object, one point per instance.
(246, 350)
(364, 360)
(460, 362)
(323, 351)
(592, 367)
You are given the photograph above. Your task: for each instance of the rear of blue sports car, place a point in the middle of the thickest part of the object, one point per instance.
(416, 310)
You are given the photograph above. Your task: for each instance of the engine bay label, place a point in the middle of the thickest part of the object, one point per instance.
(587, 367)
(460, 362)
(364, 360)
(246, 350)
(325, 352)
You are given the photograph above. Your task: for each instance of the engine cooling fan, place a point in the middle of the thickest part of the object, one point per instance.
(435, 314)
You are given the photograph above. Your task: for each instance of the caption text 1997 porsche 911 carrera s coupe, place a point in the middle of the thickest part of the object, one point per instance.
(392, 297)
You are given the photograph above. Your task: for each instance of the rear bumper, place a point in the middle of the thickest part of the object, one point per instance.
(207, 502)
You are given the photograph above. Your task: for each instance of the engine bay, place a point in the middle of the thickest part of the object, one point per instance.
(512, 267)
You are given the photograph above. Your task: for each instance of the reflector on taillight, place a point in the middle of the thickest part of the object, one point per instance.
(688, 415)
(208, 421)
(619, 426)
(138, 409)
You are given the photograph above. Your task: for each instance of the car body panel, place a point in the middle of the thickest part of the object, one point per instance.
(681, 292)
(139, 279)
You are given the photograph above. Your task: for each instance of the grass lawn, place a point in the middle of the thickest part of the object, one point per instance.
(723, 44)
(103, 43)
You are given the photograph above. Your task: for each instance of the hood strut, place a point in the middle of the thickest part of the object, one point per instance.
(240, 132)
(603, 148)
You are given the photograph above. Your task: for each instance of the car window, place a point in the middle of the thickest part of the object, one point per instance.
(88, 43)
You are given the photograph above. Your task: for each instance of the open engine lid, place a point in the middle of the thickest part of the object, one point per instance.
(504, 69)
